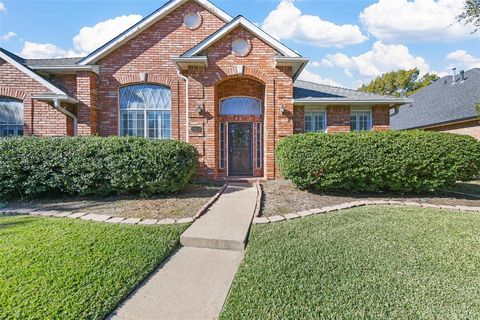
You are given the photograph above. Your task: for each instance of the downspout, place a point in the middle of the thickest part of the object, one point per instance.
(57, 106)
(187, 116)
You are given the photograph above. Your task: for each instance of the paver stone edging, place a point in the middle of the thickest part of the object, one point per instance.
(349, 205)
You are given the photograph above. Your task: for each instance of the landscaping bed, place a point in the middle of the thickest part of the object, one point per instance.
(364, 263)
(71, 269)
(182, 205)
(282, 197)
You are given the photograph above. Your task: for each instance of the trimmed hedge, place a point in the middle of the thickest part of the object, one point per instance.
(404, 161)
(94, 166)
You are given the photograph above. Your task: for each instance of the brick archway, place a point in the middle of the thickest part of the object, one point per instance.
(13, 93)
(244, 86)
(244, 71)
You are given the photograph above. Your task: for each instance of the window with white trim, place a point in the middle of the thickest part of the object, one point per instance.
(145, 111)
(315, 121)
(11, 117)
(360, 120)
(241, 106)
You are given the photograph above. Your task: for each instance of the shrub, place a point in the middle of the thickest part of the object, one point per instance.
(405, 161)
(94, 166)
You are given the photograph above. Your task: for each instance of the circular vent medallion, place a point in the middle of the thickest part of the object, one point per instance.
(241, 47)
(192, 20)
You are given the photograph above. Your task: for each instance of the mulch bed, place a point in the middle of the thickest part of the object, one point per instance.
(182, 205)
(281, 197)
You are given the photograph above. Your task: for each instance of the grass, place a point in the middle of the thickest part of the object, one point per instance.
(364, 263)
(72, 269)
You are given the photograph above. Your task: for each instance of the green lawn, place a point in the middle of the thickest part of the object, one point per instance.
(71, 269)
(364, 263)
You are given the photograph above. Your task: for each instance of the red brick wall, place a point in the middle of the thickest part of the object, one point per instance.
(338, 119)
(260, 65)
(39, 118)
(299, 119)
(470, 128)
(151, 52)
(381, 118)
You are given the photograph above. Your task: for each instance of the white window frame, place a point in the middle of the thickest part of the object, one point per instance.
(14, 125)
(312, 111)
(145, 114)
(357, 121)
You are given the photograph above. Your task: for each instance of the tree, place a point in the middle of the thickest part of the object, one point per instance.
(477, 107)
(399, 83)
(470, 14)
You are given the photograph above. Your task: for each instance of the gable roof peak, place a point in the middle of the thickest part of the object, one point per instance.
(251, 27)
(147, 22)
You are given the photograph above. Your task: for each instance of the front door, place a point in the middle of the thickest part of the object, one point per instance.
(240, 145)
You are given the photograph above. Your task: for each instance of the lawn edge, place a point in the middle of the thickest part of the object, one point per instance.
(354, 204)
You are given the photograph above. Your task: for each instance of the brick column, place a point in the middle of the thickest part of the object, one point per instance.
(299, 119)
(87, 107)
(338, 119)
(381, 118)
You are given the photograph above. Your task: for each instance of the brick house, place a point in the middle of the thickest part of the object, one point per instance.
(447, 105)
(188, 71)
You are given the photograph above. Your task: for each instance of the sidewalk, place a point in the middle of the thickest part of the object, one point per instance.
(194, 282)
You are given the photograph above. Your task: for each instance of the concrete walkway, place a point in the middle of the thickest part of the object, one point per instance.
(226, 224)
(194, 282)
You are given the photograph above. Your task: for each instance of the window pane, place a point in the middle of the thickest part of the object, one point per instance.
(145, 96)
(153, 124)
(360, 121)
(222, 145)
(145, 104)
(240, 106)
(165, 125)
(315, 121)
(259, 145)
(132, 123)
(11, 117)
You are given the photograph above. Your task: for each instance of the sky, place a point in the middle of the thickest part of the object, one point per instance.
(349, 42)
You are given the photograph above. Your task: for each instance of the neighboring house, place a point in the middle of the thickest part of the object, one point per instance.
(448, 105)
(188, 71)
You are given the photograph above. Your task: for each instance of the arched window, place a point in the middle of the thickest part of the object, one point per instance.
(11, 117)
(145, 111)
(240, 106)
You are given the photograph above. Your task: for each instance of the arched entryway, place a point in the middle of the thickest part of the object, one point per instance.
(240, 109)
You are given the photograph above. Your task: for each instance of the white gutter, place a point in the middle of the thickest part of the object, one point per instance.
(56, 105)
(187, 116)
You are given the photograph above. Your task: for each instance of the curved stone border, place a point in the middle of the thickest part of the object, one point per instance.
(107, 218)
(258, 205)
(349, 205)
(205, 208)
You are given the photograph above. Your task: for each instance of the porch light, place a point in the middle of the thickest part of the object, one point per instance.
(200, 109)
(282, 110)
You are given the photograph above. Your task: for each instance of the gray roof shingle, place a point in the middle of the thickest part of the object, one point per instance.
(310, 91)
(64, 62)
(441, 102)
